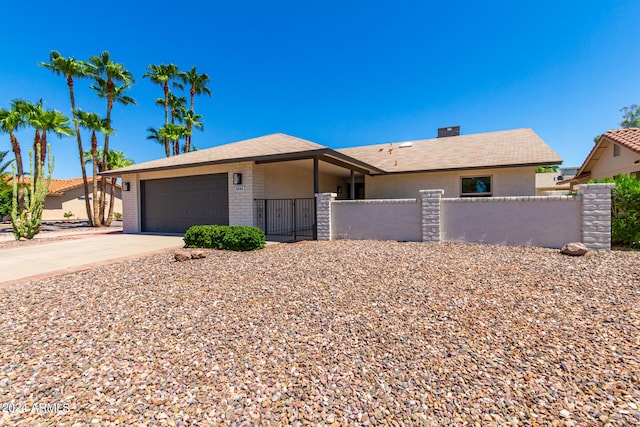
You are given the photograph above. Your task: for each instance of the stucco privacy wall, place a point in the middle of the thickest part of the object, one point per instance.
(398, 219)
(525, 220)
(505, 182)
(537, 221)
(240, 196)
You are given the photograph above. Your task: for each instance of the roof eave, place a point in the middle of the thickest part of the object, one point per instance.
(513, 165)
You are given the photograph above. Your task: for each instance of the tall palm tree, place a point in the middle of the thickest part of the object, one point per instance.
(94, 123)
(163, 74)
(70, 68)
(197, 86)
(10, 121)
(106, 75)
(43, 121)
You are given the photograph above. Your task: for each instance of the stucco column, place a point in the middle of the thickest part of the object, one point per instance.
(323, 215)
(596, 215)
(430, 200)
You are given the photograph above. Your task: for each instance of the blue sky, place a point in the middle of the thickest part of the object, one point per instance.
(340, 73)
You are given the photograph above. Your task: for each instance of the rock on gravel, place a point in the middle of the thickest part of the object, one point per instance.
(329, 333)
(574, 249)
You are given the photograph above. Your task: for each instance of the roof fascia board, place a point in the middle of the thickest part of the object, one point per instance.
(518, 165)
(259, 159)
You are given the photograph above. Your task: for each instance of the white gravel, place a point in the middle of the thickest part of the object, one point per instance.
(329, 333)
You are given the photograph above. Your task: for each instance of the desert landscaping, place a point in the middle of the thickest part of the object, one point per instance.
(329, 333)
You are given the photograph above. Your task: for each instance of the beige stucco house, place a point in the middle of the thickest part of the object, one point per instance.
(67, 195)
(616, 152)
(265, 180)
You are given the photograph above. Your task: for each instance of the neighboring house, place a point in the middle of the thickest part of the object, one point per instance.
(67, 195)
(230, 184)
(549, 183)
(616, 152)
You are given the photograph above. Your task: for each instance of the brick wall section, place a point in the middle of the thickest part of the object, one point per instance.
(323, 218)
(596, 215)
(130, 202)
(241, 196)
(430, 200)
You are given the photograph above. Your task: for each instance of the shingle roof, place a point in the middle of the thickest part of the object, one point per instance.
(503, 148)
(265, 146)
(492, 149)
(629, 138)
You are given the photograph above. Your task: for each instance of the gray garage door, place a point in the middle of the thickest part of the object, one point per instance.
(172, 205)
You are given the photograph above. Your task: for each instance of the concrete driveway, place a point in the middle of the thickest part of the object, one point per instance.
(65, 256)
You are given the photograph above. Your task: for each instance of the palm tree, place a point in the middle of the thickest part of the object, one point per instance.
(106, 75)
(10, 121)
(162, 74)
(5, 165)
(70, 68)
(153, 135)
(43, 121)
(191, 119)
(197, 86)
(173, 133)
(115, 160)
(94, 123)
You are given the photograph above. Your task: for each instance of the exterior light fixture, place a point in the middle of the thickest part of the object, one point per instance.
(126, 186)
(237, 179)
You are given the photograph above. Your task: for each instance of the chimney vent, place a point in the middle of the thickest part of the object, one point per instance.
(449, 131)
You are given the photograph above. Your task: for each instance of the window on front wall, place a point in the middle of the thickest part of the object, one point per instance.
(476, 186)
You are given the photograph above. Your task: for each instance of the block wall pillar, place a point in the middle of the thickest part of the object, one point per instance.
(430, 200)
(323, 215)
(596, 215)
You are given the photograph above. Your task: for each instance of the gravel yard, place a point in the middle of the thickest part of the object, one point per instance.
(329, 333)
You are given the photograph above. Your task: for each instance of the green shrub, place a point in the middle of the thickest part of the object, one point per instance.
(625, 210)
(234, 238)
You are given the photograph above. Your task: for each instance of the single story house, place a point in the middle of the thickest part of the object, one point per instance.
(67, 196)
(253, 182)
(615, 152)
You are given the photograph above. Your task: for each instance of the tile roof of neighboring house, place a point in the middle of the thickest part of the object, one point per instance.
(629, 138)
(57, 187)
(481, 150)
(492, 149)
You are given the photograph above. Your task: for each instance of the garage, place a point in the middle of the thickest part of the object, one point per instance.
(172, 205)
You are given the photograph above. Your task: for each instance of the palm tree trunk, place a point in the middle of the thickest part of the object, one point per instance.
(111, 201)
(166, 116)
(94, 157)
(103, 182)
(15, 146)
(85, 182)
(36, 144)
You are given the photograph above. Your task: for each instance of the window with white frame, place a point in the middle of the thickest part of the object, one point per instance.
(475, 186)
(616, 150)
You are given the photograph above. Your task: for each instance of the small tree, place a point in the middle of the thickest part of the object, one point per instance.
(630, 116)
(26, 222)
(625, 210)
